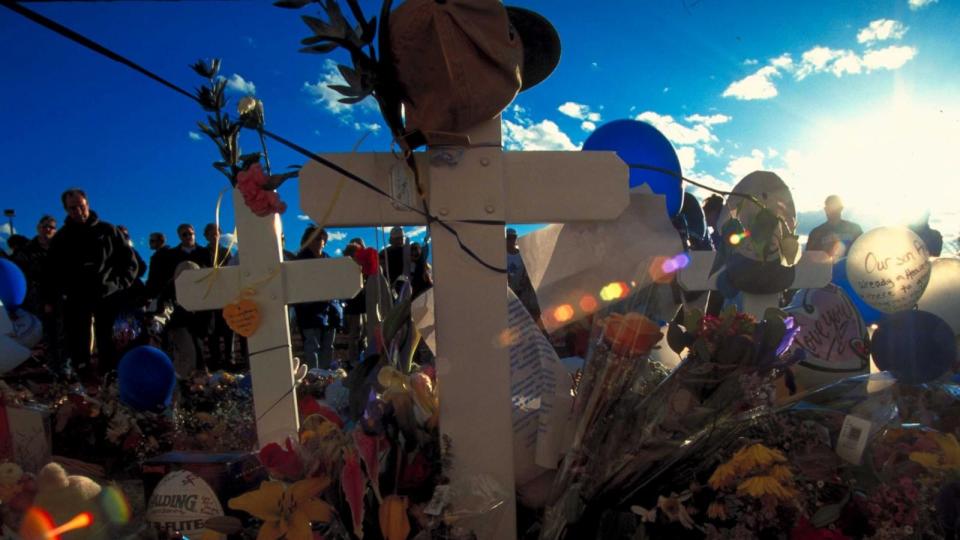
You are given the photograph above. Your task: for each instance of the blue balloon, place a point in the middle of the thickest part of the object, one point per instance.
(639, 143)
(869, 313)
(916, 346)
(147, 379)
(13, 284)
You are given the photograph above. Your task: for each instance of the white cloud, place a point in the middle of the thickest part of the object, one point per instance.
(194, 136)
(688, 157)
(677, 132)
(836, 61)
(756, 86)
(336, 235)
(521, 133)
(741, 166)
(784, 61)
(4, 229)
(881, 30)
(708, 120)
(707, 180)
(241, 85)
(330, 99)
(917, 4)
(304, 217)
(666, 89)
(751, 62)
(580, 112)
(338, 251)
(416, 231)
(892, 57)
(367, 126)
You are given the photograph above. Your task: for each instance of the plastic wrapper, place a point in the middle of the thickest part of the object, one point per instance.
(848, 461)
(629, 429)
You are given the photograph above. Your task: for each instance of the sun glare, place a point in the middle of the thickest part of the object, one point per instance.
(890, 163)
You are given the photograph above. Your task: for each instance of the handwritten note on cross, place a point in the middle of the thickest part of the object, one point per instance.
(479, 182)
(276, 284)
(813, 271)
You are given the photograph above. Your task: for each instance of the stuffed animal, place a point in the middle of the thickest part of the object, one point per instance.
(65, 496)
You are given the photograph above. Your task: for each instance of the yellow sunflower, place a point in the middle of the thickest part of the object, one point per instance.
(286, 510)
(758, 486)
(724, 475)
(756, 456)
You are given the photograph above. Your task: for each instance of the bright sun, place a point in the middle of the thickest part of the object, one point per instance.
(892, 163)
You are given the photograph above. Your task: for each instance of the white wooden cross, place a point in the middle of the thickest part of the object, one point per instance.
(277, 284)
(813, 271)
(481, 183)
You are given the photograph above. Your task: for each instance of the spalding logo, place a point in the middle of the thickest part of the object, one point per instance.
(182, 502)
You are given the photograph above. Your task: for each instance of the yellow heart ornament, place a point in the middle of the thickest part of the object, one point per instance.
(243, 317)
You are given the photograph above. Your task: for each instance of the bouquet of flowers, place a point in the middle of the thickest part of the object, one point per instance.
(730, 369)
(844, 462)
(214, 413)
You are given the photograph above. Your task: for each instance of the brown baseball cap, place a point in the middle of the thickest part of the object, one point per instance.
(461, 62)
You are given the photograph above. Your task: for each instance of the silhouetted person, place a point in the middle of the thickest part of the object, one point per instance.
(90, 266)
(712, 207)
(519, 280)
(836, 235)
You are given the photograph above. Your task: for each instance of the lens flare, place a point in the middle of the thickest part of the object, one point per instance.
(115, 505)
(588, 303)
(734, 239)
(563, 313)
(80, 521)
(36, 524)
(677, 262)
(613, 291)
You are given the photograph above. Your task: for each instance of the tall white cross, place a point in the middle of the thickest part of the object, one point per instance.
(276, 284)
(479, 182)
(814, 270)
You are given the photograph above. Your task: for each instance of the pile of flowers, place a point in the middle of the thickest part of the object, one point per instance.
(214, 413)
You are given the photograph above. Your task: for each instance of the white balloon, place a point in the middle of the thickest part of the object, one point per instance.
(942, 295)
(889, 268)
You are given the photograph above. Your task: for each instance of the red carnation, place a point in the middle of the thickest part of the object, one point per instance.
(369, 261)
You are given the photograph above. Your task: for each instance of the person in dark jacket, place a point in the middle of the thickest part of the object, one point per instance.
(220, 332)
(90, 267)
(32, 259)
(318, 321)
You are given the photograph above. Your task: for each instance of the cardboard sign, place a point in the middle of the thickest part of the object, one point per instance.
(26, 436)
(242, 317)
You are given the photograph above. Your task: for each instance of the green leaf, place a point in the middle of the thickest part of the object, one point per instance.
(762, 231)
(348, 91)
(320, 27)
(350, 75)
(691, 319)
(829, 513)
(789, 247)
(352, 100)
(291, 4)
(319, 49)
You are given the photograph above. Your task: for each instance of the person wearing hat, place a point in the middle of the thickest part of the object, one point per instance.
(836, 235)
(519, 280)
(318, 321)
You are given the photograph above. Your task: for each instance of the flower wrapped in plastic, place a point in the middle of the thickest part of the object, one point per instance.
(636, 431)
(847, 461)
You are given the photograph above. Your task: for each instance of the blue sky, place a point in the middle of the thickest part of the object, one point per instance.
(859, 98)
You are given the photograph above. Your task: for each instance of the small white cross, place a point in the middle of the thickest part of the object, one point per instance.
(276, 284)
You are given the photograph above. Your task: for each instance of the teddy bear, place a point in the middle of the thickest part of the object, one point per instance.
(17, 490)
(65, 496)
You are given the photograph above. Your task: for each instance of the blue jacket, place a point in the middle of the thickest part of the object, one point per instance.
(318, 314)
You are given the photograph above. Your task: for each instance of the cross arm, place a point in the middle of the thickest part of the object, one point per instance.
(321, 279)
(204, 289)
(539, 187)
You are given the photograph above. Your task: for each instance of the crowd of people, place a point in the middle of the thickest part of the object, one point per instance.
(85, 283)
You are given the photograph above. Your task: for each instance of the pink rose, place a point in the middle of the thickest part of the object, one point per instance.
(261, 202)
